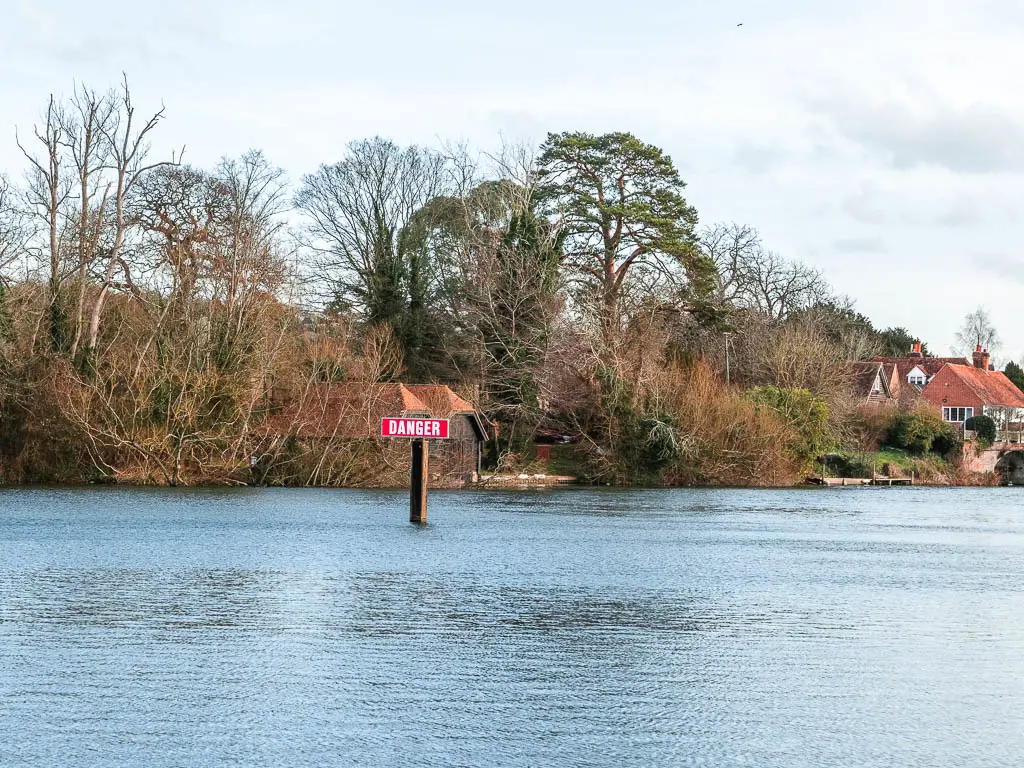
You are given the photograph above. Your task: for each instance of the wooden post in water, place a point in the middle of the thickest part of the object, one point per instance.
(418, 468)
(418, 429)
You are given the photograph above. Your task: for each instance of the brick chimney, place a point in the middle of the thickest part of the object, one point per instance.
(981, 358)
(915, 350)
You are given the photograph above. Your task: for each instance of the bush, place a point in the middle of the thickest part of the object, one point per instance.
(985, 426)
(922, 431)
(641, 437)
(805, 412)
(722, 437)
(840, 465)
(867, 427)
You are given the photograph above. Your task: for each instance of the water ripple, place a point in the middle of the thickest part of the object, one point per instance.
(307, 628)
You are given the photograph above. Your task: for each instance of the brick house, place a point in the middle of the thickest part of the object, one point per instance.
(962, 391)
(910, 374)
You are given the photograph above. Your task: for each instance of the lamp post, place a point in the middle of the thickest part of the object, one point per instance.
(727, 359)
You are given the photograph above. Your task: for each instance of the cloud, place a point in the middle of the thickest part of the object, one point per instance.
(860, 245)
(758, 159)
(959, 215)
(923, 202)
(974, 139)
(1003, 265)
(864, 206)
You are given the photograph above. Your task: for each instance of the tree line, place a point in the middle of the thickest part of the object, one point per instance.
(155, 316)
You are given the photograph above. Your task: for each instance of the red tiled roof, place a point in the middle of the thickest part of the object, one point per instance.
(351, 410)
(443, 402)
(343, 410)
(410, 402)
(991, 387)
(930, 365)
(440, 399)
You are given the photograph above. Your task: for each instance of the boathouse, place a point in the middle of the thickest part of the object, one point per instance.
(331, 419)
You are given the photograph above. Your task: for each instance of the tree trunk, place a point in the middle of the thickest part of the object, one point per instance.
(108, 275)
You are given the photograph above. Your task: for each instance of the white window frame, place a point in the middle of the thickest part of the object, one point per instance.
(949, 411)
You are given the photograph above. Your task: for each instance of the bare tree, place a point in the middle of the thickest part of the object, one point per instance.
(799, 354)
(731, 247)
(778, 287)
(128, 147)
(180, 212)
(93, 153)
(85, 120)
(357, 210)
(15, 229)
(977, 330)
(249, 264)
(184, 381)
(754, 278)
(49, 186)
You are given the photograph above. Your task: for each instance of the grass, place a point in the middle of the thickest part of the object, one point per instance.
(895, 457)
(891, 462)
(565, 460)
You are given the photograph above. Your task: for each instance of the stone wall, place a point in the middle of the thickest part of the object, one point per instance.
(1005, 458)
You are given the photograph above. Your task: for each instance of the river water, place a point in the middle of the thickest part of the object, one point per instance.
(569, 627)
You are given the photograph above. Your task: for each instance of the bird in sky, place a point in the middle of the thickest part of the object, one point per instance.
(740, 24)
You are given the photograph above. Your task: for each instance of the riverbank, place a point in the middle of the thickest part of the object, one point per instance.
(563, 465)
(900, 465)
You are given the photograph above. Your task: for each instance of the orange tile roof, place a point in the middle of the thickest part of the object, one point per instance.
(352, 410)
(440, 399)
(343, 409)
(991, 387)
(443, 402)
(930, 365)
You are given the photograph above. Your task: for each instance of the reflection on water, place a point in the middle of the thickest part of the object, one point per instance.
(307, 628)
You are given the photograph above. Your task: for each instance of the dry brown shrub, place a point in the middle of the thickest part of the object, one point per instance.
(38, 444)
(800, 355)
(724, 438)
(867, 425)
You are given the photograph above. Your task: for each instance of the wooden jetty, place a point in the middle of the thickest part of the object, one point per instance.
(832, 482)
(526, 480)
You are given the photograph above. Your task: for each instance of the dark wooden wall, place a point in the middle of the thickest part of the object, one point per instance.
(455, 457)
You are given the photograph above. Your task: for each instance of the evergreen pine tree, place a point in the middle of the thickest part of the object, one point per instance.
(1015, 374)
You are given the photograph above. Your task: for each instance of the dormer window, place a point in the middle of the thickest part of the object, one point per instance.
(917, 380)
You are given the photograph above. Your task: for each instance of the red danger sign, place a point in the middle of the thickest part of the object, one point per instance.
(399, 426)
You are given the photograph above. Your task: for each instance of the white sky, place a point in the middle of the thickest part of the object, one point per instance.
(881, 141)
